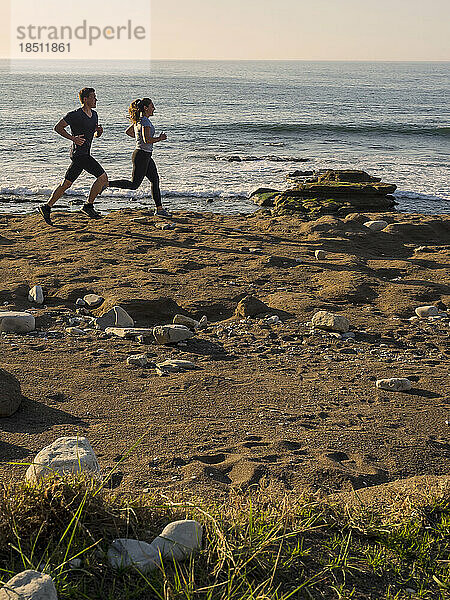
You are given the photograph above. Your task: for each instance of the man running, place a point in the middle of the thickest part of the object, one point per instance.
(84, 126)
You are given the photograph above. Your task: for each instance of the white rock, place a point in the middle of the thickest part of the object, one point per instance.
(129, 332)
(426, 311)
(186, 321)
(320, 254)
(179, 539)
(64, 455)
(330, 322)
(80, 302)
(29, 585)
(124, 553)
(36, 294)
(175, 365)
(116, 317)
(376, 225)
(394, 384)
(171, 334)
(93, 300)
(137, 360)
(272, 320)
(16, 322)
(203, 323)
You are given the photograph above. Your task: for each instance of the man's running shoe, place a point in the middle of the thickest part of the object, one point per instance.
(162, 212)
(89, 210)
(45, 211)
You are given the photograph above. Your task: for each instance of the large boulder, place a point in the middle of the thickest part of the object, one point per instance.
(29, 585)
(10, 394)
(64, 455)
(12, 321)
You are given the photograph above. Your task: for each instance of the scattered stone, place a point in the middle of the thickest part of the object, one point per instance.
(320, 254)
(16, 322)
(29, 585)
(164, 226)
(330, 322)
(394, 384)
(93, 300)
(171, 334)
(376, 225)
(175, 366)
(426, 311)
(273, 320)
(10, 394)
(79, 303)
(129, 333)
(348, 336)
(115, 317)
(137, 360)
(250, 306)
(124, 553)
(64, 455)
(186, 321)
(203, 323)
(421, 249)
(36, 295)
(75, 331)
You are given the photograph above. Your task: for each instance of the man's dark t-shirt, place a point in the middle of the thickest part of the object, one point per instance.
(81, 124)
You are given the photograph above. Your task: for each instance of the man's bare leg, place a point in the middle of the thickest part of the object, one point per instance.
(58, 193)
(97, 187)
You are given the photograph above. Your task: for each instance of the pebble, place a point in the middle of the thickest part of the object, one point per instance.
(130, 332)
(137, 360)
(376, 225)
(79, 303)
(29, 585)
(273, 320)
(320, 254)
(426, 311)
(176, 365)
(394, 384)
(75, 331)
(93, 300)
(36, 294)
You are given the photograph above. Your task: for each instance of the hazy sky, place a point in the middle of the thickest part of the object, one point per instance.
(289, 29)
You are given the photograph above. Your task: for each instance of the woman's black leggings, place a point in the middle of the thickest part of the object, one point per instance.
(143, 166)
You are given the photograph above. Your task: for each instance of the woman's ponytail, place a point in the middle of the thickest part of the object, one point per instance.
(136, 109)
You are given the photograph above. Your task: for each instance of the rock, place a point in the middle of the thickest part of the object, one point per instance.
(250, 306)
(186, 321)
(16, 322)
(176, 365)
(115, 317)
(137, 360)
(64, 455)
(394, 384)
(79, 303)
(426, 311)
(272, 320)
(164, 226)
(36, 294)
(203, 323)
(320, 254)
(93, 300)
(130, 332)
(29, 585)
(10, 394)
(376, 225)
(178, 540)
(171, 334)
(264, 196)
(347, 175)
(330, 322)
(124, 553)
(75, 331)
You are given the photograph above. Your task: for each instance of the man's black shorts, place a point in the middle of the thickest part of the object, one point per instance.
(83, 163)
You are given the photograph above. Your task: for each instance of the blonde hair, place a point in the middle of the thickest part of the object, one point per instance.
(136, 109)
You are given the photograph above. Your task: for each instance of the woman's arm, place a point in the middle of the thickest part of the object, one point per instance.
(130, 131)
(148, 139)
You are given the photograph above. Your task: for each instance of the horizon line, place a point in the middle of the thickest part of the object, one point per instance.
(335, 60)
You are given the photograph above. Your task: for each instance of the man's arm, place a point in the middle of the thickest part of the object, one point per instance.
(148, 139)
(61, 129)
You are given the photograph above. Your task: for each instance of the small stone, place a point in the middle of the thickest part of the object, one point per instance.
(179, 539)
(64, 455)
(250, 306)
(171, 334)
(75, 331)
(376, 225)
(10, 394)
(394, 384)
(36, 295)
(164, 226)
(320, 254)
(16, 322)
(176, 365)
(272, 320)
(348, 336)
(130, 332)
(137, 360)
(115, 317)
(29, 585)
(426, 311)
(93, 300)
(75, 563)
(124, 553)
(203, 323)
(330, 322)
(186, 321)
(79, 303)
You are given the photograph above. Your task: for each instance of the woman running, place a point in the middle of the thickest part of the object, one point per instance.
(143, 164)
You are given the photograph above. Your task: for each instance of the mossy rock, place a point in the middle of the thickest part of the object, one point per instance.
(264, 196)
(340, 188)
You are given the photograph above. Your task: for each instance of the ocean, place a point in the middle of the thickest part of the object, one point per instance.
(232, 126)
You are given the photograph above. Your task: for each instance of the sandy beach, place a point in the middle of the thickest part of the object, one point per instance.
(270, 402)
